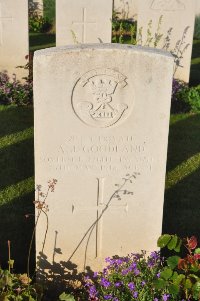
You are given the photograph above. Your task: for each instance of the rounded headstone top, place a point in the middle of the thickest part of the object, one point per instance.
(101, 46)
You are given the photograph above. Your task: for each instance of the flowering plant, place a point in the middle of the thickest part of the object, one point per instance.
(181, 275)
(128, 278)
(13, 91)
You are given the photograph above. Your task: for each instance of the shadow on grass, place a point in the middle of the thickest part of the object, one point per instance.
(182, 201)
(17, 163)
(183, 141)
(195, 74)
(18, 229)
(182, 207)
(41, 41)
(15, 119)
(16, 183)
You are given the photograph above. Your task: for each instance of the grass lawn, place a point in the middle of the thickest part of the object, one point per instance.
(17, 182)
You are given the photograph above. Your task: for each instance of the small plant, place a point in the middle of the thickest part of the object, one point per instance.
(12, 91)
(128, 278)
(181, 276)
(189, 97)
(16, 287)
(178, 105)
(38, 23)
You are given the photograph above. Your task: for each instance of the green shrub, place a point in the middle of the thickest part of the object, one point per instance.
(49, 10)
(38, 23)
(191, 97)
(197, 28)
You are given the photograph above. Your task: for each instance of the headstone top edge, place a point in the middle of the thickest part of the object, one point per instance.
(100, 46)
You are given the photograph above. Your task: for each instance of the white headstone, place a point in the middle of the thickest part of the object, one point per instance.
(13, 36)
(197, 7)
(36, 6)
(176, 27)
(85, 21)
(127, 9)
(97, 119)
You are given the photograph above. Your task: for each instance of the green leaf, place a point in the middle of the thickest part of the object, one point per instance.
(174, 289)
(166, 274)
(178, 245)
(179, 279)
(173, 242)
(188, 284)
(196, 290)
(195, 277)
(66, 297)
(197, 251)
(160, 283)
(172, 261)
(163, 240)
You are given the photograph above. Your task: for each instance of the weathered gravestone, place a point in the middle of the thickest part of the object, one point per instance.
(171, 29)
(13, 36)
(101, 115)
(85, 21)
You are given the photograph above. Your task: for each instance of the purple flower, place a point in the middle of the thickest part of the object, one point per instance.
(155, 299)
(92, 292)
(108, 297)
(131, 286)
(104, 282)
(158, 275)
(118, 284)
(165, 297)
(135, 294)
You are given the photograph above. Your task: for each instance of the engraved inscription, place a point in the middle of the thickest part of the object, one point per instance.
(167, 5)
(2, 20)
(96, 98)
(101, 155)
(83, 24)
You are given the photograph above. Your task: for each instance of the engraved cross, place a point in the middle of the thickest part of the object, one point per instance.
(83, 23)
(1, 24)
(100, 208)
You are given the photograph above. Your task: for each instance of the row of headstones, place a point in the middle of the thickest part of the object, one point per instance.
(89, 21)
(129, 8)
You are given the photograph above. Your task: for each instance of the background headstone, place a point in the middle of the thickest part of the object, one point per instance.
(176, 28)
(36, 6)
(128, 9)
(197, 7)
(13, 36)
(85, 21)
(101, 119)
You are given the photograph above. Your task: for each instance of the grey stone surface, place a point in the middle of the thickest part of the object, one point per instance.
(175, 30)
(101, 113)
(13, 36)
(85, 21)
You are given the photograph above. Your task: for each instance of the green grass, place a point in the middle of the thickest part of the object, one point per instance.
(182, 195)
(41, 40)
(195, 64)
(17, 182)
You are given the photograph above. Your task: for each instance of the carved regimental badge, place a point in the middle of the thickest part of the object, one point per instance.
(98, 97)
